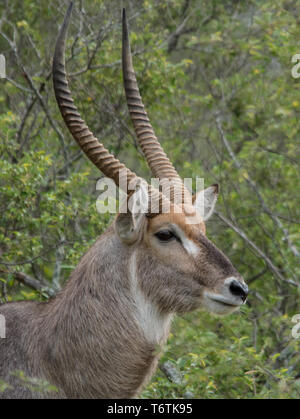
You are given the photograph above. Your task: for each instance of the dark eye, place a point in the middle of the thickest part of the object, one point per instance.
(165, 235)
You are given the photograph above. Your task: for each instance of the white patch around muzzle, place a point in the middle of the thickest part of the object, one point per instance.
(222, 302)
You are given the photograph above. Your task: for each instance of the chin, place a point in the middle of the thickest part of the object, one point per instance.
(217, 304)
(221, 310)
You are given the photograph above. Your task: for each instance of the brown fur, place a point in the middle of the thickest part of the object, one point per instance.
(86, 340)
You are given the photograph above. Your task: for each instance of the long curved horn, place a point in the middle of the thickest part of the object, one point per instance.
(95, 151)
(157, 159)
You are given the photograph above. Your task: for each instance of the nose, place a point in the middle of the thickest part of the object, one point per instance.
(239, 289)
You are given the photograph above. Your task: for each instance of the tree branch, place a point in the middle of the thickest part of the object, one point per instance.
(257, 250)
(254, 187)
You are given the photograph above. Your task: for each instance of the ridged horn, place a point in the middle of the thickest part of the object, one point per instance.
(94, 150)
(157, 159)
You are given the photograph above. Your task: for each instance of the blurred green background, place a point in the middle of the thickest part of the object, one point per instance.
(216, 80)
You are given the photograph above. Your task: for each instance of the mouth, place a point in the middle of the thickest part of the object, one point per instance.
(219, 304)
(224, 301)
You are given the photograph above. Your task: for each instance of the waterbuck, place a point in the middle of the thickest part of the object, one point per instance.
(98, 337)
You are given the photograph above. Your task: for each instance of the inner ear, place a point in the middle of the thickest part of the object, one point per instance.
(205, 201)
(130, 223)
(129, 228)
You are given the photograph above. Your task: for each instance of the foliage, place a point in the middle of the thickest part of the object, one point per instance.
(216, 81)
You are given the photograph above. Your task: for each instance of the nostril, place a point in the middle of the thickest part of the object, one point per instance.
(239, 289)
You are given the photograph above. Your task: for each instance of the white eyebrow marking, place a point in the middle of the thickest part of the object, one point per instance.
(188, 244)
(190, 247)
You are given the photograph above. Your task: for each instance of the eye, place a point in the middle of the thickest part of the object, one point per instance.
(165, 235)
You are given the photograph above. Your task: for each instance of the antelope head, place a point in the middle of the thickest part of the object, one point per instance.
(171, 261)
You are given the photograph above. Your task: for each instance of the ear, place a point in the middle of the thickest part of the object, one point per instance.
(129, 224)
(205, 200)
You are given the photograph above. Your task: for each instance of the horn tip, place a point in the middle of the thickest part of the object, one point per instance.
(124, 19)
(70, 7)
(124, 23)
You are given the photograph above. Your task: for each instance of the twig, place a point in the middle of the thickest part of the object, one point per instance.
(257, 250)
(29, 282)
(171, 372)
(254, 187)
(32, 283)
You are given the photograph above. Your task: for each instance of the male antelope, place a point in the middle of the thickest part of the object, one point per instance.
(98, 337)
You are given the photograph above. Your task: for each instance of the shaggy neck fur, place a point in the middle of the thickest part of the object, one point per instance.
(99, 336)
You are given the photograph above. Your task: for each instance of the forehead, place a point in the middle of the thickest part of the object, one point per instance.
(189, 225)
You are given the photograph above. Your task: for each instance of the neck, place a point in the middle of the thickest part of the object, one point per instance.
(153, 323)
(100, 334)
